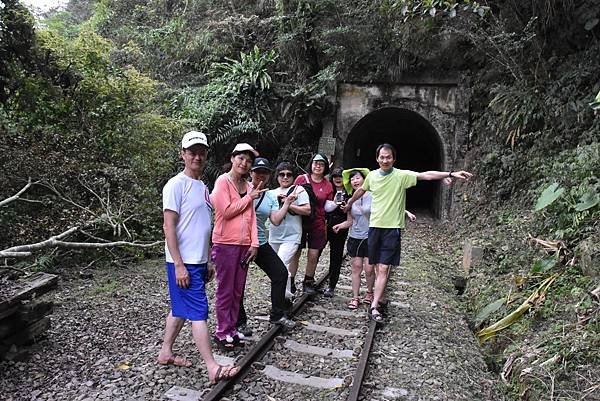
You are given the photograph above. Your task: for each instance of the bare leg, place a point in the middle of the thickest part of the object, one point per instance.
(202, 340)
(311, 262)
(172, 328)
(381, 276)
(369, 275)
(356, 270)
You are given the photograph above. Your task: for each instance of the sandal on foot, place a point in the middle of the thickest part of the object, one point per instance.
(225, 373)
(368, 299)
(353, 303)
(176, 360)
(377, 317)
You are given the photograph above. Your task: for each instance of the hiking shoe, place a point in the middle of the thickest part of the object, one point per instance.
(285, 323)
(309, 288)
(244, 330)
(328, 293)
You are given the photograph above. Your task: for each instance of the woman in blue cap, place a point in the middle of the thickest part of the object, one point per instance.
(267, 208)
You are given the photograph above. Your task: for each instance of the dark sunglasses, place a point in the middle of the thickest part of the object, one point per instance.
(285, 175)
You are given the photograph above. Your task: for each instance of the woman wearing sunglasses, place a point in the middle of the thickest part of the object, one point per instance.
(285, 238)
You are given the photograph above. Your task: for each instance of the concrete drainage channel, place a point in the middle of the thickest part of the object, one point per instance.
(325, 356)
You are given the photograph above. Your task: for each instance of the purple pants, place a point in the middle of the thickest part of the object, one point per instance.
(231, 279)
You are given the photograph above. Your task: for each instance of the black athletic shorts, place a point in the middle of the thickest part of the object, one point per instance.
(384, 246)
(357, 247)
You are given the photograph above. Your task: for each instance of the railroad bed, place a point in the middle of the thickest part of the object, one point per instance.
(424, 351)
(106, 332)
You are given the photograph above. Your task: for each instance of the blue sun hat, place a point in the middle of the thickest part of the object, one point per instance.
(346, 177)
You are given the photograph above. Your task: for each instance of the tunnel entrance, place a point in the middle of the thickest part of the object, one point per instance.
(418, 148)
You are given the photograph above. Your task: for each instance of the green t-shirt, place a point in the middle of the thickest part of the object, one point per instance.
(388, 193)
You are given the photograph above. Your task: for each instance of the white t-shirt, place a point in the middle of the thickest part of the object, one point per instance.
(190, 199)
(290, 229)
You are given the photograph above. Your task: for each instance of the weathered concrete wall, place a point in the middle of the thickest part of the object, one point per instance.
(442, 103)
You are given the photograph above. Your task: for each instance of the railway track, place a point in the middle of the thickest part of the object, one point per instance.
(324, 357)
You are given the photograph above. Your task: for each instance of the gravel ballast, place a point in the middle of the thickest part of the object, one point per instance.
(106, 332)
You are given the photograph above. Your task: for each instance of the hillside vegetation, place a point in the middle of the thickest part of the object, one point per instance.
(94, 98)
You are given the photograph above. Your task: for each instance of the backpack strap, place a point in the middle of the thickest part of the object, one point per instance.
(262, 196)
(291, 190)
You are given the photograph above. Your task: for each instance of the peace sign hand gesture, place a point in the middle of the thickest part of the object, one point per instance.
(256, 192)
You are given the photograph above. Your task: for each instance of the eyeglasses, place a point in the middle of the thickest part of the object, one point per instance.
(285, 175)
(197, 152)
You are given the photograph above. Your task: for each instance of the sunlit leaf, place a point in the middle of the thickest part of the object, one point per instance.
(543, 265)
(548, 196)
(587, 201)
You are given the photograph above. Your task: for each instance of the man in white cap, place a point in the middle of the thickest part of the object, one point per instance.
(187, 225)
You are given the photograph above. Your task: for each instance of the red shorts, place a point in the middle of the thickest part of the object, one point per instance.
(316, 237)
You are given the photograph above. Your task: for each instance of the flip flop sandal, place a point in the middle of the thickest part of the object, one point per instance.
(176, 360)
(224, 373)
(353, 303)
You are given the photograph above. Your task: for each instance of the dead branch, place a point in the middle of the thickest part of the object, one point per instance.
(57, 242)
(18, 194)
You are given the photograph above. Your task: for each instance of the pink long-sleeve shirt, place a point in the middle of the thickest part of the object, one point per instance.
(235, 218)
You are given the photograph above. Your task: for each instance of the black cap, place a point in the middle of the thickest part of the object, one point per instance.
(261, 163)
(336, 172)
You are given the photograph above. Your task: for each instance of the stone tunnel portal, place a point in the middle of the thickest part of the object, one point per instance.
(417, 145)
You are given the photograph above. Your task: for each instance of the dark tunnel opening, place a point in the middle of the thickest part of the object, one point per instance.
(417, 145)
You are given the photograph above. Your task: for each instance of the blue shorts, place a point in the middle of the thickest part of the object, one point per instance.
(189, 303)
(384, 246)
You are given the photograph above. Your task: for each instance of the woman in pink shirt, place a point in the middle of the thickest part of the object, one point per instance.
(235, 240)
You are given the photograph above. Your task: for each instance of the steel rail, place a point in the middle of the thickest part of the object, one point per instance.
(258, 350)
(361, 368)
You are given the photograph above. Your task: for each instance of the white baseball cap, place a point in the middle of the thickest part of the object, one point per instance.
(244, 147)
(193, 138)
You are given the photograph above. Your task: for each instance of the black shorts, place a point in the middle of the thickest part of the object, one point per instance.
(384, 246)
(357, 247)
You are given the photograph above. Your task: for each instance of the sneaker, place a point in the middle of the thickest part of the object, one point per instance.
(227, 343)
(244, 330)
(328, 292)
(309, 288)
(284, 322)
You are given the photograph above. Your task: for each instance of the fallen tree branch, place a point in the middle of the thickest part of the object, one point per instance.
(18, 194)
(57, 242)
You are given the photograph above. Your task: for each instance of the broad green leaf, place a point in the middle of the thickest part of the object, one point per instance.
(543, 265)
(488, 310)
(548, 196)
(587, 201)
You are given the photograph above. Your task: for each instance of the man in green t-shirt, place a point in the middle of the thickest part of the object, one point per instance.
(388, 187)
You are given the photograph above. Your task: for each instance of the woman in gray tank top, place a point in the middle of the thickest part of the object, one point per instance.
(358, 221)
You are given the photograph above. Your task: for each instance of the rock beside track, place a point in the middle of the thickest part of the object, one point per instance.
(106, 332)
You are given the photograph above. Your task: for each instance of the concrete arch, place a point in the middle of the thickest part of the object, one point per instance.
(425, 118)
(419, 148)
